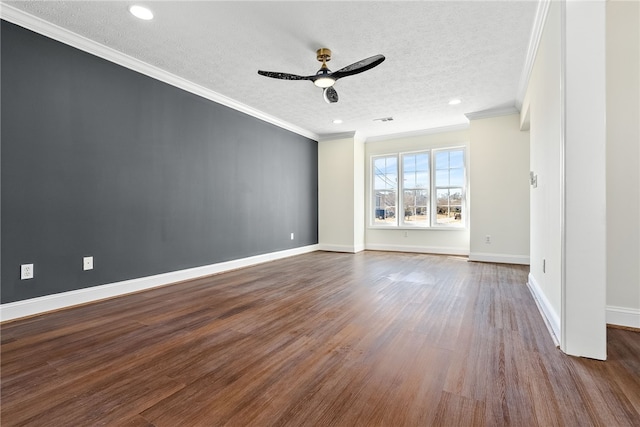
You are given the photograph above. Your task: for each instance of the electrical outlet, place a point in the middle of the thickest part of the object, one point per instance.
(87, 263)
(406, 233)
(487, 239)
(26, 271)
(292, 235)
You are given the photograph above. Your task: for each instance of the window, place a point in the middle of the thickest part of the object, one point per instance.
(449, 188)
(385, 189)
(415, 190)
(427, 178)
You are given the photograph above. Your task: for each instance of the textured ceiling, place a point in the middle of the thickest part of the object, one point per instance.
(435, 51)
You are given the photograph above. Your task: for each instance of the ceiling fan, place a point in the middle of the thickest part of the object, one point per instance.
(325, 78)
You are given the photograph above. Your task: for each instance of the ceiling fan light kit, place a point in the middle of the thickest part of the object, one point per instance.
(324, 78)
(324, 82)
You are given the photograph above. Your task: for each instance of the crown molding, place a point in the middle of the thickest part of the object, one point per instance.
(360, 137)
(421, 132)
(492, 112)
(357, 136)
(534, 42)
(55, 32)
(336, 136)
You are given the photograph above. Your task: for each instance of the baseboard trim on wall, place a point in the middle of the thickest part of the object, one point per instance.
(499, 258)
(341, 248)
(551, 318)
(417, 249)
(623, 316)
(39, 305)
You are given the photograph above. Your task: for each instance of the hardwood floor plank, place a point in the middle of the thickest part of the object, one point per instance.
(321, 339)
(453, 410)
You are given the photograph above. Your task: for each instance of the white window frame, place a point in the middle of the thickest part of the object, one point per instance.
(372, 215)
(434, 189)
(432, 207)
(401, 189)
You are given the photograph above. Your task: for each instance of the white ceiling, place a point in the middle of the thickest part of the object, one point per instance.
(435, 51)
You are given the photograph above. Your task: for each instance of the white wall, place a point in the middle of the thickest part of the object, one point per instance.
(544, 106)
(623, 163)
(340, 194)
(454, 242)
(499, 175)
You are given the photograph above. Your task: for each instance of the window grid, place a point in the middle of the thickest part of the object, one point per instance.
(449, 187)
(385, 184)
(415, 189)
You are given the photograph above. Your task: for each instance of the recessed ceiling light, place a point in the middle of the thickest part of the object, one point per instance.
(141, 12)
(337, 121)
(455, 101)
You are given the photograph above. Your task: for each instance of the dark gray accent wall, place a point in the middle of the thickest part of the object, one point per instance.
(99, 160)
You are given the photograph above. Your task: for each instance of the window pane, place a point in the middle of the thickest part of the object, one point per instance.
(455, 196)
(410, 180)
(415, 204)
(392, 166)
(422, 161)
(415, 170)
(385, 173)
(442, 178)
(422, 179)
(379, 165)
(456, 177)
(442, 197)
(385, 207)
(442, 160)
(456, 159)
(409, 163)
(449, 209)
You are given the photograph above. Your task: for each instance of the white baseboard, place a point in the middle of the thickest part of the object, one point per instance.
(341, 248)
(33, 306)
(623, 316)
(550, 316)
(417, 249)
(619, 316)
(499, 258)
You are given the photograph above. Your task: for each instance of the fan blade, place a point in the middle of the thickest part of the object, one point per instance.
(284, 76)
(358, 67)
(330, 95)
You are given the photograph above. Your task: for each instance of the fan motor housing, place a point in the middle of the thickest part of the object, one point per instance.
(323, 54)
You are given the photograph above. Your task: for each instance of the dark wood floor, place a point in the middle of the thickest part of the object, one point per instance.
(320, 339)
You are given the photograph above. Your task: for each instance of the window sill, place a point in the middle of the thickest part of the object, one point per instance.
(404, 228)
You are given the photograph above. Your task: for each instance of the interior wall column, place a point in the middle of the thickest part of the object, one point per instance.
(583, 320)
(341, 198)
